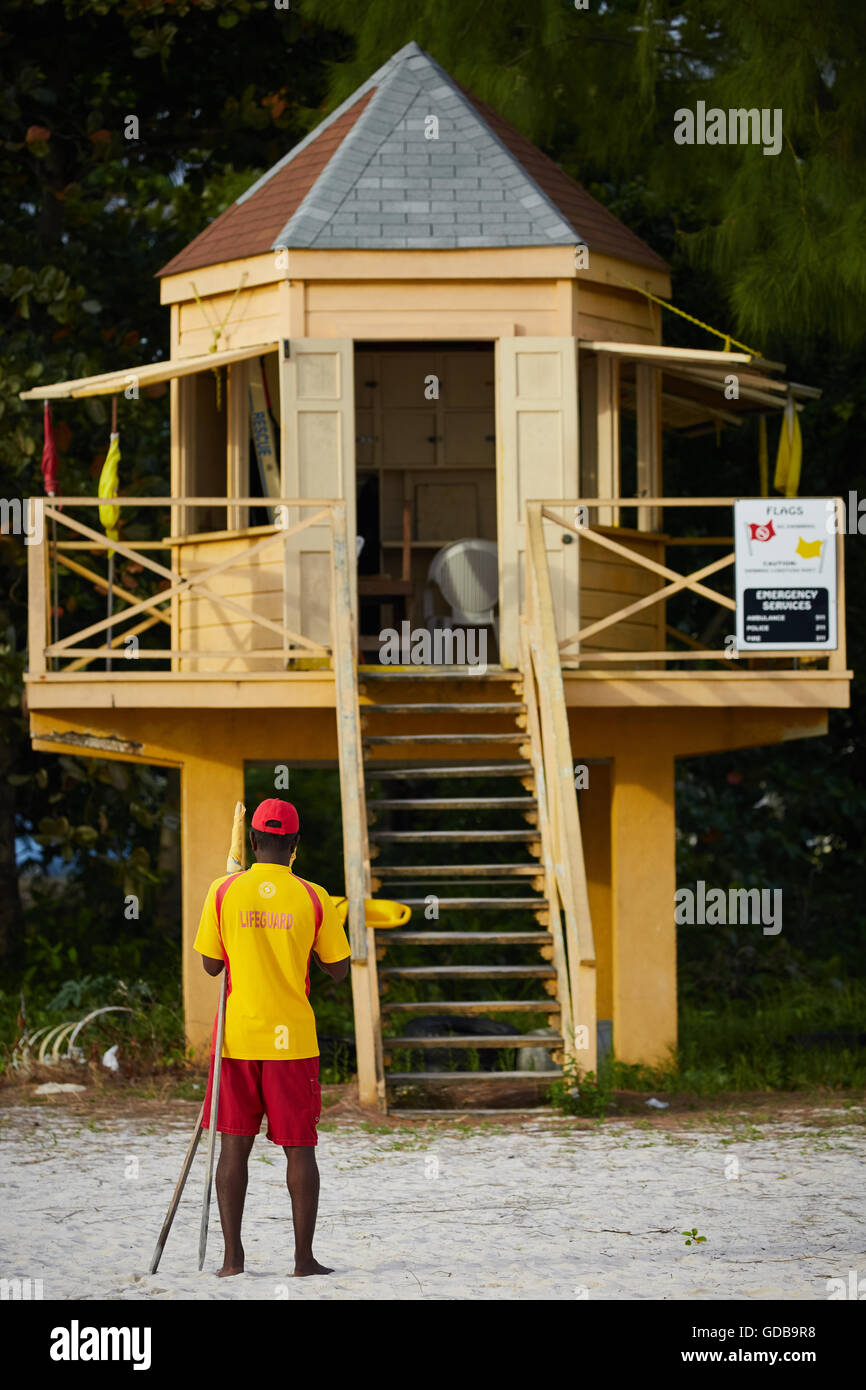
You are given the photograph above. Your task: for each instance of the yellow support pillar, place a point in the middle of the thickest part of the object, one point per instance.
(643, 884)
(595, 825)
(208, 792)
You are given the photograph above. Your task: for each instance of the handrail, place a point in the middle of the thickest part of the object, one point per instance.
(60, 500)
(544, 668)
(548, 840)
(356, 853)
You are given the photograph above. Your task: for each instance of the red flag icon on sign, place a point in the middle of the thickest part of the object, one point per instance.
(761, 530)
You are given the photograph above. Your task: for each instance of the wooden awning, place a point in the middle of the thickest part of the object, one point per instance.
(112, 383)
(694, 379)
(662, 356)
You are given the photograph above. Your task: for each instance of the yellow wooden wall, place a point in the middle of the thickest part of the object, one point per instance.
(440, 309)
(609, 583)
(204, 625)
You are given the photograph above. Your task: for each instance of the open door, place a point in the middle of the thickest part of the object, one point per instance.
(318, 461)
(537, 447)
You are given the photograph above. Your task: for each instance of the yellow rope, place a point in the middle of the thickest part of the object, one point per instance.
(728, 340)
(218, 330)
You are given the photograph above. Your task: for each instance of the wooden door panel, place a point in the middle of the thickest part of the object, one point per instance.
(318, 396)
(537, 451)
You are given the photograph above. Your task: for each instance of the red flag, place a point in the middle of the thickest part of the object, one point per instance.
(49, 455)
(762, 530)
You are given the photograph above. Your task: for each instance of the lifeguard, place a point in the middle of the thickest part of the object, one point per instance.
(270, 1051)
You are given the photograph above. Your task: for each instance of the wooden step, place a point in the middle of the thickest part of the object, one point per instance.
(376, 740)
(429, 673)
(414, 774)
(469, 972)
(423, 1077)
(503, 904)
(456, 883)
(454, 803)
(465, 938)
(399, 837)
(436, 872)
(447, 707)
(433, 1007)
(485, 1040)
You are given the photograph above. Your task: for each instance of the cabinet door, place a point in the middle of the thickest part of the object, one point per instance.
(537, 452)
(318, 447)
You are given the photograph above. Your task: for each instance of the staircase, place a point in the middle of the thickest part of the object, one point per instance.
(457, 832)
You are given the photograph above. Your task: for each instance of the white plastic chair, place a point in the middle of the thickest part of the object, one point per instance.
(467, 574)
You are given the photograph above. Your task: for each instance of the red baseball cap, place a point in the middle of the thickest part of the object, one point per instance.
(276, 817)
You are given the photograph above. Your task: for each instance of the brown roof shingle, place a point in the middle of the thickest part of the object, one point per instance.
(250, 228)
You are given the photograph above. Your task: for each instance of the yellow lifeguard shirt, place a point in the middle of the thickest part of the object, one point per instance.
(265, 922)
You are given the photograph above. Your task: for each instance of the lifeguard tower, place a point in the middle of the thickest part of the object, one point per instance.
(416, 329)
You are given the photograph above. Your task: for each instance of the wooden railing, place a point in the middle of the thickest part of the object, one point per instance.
(172, 593)
(52, 657)
(586, 645)
(574, 951)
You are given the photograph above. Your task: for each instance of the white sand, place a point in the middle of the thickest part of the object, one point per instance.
(543, 1210)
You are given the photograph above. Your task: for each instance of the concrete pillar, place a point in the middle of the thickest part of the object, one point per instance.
(643, 883)
(595, 825)
(208, 792)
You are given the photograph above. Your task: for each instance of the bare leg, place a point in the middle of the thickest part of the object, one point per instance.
(302, 1180)
(231, 1185)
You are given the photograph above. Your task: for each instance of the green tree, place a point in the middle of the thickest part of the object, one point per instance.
(94, 204)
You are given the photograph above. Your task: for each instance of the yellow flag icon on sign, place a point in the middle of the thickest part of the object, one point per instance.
(808, 550)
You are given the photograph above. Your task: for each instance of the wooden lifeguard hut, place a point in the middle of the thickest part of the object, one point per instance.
(416, 329)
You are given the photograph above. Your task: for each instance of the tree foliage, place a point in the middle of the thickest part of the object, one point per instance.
(782, 235)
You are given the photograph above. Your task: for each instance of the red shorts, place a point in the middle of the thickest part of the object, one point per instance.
(287, 1091)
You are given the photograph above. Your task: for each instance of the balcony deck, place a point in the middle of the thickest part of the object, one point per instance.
(252, 614)
(99, 690)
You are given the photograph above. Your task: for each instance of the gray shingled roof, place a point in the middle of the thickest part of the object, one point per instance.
(389, 185)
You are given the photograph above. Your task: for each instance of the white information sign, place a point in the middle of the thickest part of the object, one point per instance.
(785, 574)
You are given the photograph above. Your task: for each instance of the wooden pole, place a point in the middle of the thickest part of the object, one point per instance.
(214, 1117)
(37, 606)
(178, 1193)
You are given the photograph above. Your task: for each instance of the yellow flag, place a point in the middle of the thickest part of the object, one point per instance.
(790, 455)
(109, 516)
(807, 550)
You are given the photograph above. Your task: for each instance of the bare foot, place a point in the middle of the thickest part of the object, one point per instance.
(233, 1266)
(310, 1267)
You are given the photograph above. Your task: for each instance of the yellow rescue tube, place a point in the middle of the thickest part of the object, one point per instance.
(380, 913)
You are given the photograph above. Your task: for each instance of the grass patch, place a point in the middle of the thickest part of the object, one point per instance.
(797, 1038)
